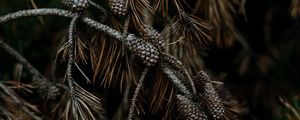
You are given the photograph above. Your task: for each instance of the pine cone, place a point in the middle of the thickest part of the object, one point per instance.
(144, 50)
(153, 36)
(189, 110)
(77, 5)
(211, 100)
(118, 7)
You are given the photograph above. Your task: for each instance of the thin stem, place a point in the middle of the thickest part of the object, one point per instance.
(36, 12)
(46, 89)
(103, 28)
(63, 13)
(176, 82)
(71, 51)
(21, 59)
(136, 93)
(126, 26)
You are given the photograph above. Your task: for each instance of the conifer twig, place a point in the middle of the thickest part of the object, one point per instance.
(36, 12)
(103, 28)
(126, 25)
(136, 93)
(21, 59)
(63, 13)
(46, 89)
(176, 63)
(71, 51)
(176, 82)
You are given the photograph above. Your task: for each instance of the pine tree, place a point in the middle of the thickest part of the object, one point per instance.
(148, 59)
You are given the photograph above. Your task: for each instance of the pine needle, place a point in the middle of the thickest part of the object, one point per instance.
(78, 105)
(138, 8)
(221, 14)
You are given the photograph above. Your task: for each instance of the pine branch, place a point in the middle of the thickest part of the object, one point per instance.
(81, 104)
(136, 93)
(21, 59)
(36, 12)
(71, 51)
(147, 52)
(62, 13)
(176, 82)
(46, 89)
(103, 28)
(177, 64)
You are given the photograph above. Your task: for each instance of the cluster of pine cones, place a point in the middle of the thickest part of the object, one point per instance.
(206, 105)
